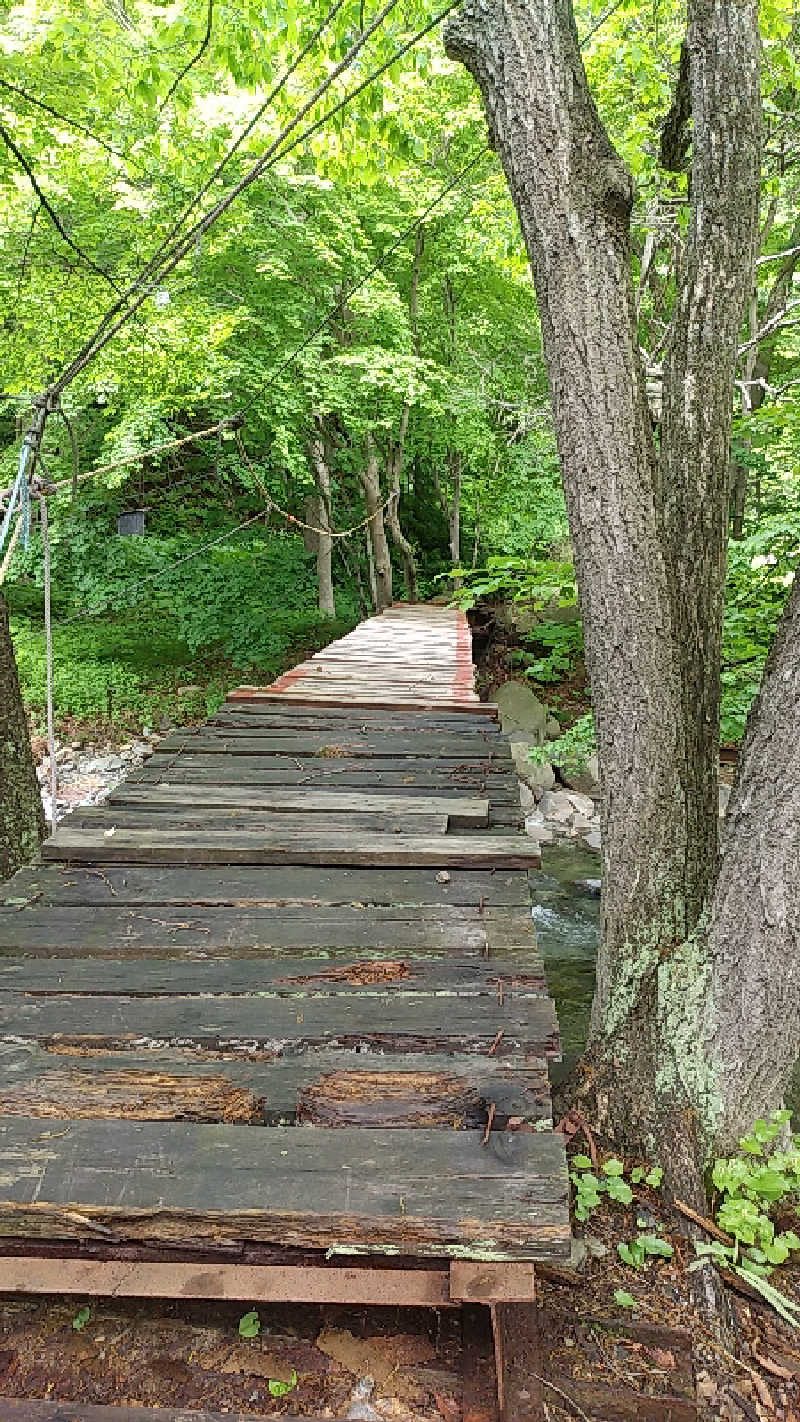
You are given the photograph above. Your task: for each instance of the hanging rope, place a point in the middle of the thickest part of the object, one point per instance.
(48, 640)
(272, 507)
(9, 553)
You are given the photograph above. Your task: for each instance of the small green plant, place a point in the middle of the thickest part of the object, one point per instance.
(553, 648)
(590, 1188)
(643, 1247)
(572, 749)
(81, 1318)
(280, 1389)
(623, 1299)
(249, 1325)
(651, 1177)
(749, 1185)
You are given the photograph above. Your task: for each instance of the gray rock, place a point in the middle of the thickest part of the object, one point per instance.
(537, 777)
(592, 840)
(583, 804)
(553, 728)
(521, 711)
(536, 829)
(527, 799)
(724, 798)
(557, 805)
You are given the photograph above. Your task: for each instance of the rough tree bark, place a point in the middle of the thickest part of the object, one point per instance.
(370, 479)
(649, 529)
(323, 541)
(21, 816)
(401, 543)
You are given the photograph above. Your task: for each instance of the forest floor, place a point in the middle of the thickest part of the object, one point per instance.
(656, 1362)
(640, 1362)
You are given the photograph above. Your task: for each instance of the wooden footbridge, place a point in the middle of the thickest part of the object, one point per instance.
(273, 1025)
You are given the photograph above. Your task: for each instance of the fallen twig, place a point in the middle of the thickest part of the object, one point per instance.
(706, 1224)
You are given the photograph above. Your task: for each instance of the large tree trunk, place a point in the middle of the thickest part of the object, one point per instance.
(648, 532)
(21, 815)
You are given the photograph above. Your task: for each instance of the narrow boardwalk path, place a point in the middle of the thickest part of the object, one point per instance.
(312, 911)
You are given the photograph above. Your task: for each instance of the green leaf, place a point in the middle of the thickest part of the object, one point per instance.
(81, 1318)
(620, 1190)
(580, 1162)
(633, 1253)
(654, 1244)
(623, 1299)
(249, 1325)
(280, 1389)
(654, 1177)
(613, 1167)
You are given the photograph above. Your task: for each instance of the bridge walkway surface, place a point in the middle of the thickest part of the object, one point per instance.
(273, 1024)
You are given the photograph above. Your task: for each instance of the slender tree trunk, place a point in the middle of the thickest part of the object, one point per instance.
(648, 531)
(451, 507)
(21, 815)
(369, 476)
(324, 543)
(373, 585)
(399, 539)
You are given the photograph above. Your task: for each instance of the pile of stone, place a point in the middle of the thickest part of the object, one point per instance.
(566, 810)
(86, 774)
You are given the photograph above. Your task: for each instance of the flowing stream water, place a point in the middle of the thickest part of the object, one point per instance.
(566, 914)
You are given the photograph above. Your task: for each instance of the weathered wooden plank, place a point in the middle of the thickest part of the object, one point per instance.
(405, 777)
(250, 820)
(283, 712)
(108, 932)
(266, 1283)
(346, 1189)
(378, 1020)
(461, 811)
(26, 1410)
(325, 1086)
(377, 701)
(282, 976)
(155, 846)
(337, 744)
(250, 887)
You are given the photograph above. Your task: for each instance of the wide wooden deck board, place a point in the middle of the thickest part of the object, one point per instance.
(278, 987)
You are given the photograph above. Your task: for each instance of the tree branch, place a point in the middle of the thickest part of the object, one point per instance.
(770, 327)
(62, 118)
(50, 210)
(195, 58)
(676, 140)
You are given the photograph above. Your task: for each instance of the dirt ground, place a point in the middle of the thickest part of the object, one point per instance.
(380, 1364)
(591, 1359)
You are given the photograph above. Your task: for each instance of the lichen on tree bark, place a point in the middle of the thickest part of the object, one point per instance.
(649, 528)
